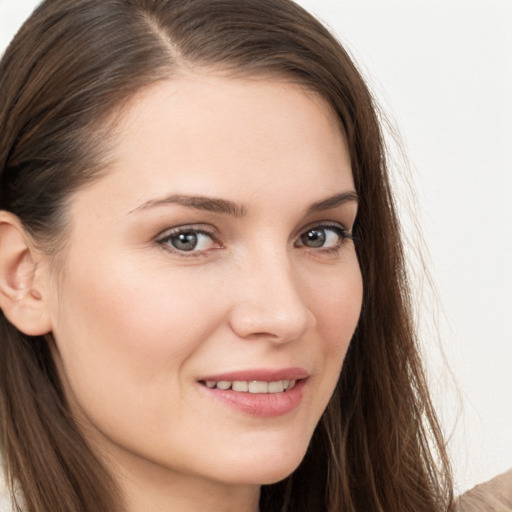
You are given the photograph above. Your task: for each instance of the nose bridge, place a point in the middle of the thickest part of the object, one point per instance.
(270, 301)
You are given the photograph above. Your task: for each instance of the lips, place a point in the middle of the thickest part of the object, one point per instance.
(264, 393)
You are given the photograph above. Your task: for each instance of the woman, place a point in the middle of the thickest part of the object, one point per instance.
(183, 274)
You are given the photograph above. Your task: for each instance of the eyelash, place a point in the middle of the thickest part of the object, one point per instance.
(344, 235)
(165, 240)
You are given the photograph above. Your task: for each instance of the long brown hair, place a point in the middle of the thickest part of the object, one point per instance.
(378, 446)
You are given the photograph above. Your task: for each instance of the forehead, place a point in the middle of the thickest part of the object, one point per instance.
(226, 101)
(213, 135)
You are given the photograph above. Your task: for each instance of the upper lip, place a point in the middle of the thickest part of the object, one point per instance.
(259, 374)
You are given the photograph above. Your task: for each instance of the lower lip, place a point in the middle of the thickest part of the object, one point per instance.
(264, 405)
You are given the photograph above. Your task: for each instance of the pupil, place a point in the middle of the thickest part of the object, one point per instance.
(185, 241)
(314, 238)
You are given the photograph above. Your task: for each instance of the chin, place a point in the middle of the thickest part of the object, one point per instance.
(269, 467)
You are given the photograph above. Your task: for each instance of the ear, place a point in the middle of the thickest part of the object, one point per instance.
(21, 297)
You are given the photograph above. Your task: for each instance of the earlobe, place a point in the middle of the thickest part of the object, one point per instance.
(21, 300)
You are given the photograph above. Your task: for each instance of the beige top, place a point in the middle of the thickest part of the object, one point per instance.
(492, 496)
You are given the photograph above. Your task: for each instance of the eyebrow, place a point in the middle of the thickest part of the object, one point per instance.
(333, 202)
(233, 209)
(198, 203)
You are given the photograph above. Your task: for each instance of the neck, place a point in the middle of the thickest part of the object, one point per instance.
(160, 490)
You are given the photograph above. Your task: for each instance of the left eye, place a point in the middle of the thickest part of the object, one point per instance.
(324, 237)
(188, 240)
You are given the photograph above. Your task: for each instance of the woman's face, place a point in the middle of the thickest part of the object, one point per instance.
(210, 287)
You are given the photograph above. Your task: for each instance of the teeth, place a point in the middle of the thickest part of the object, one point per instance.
(239, 385)
(258, 386)
(276, 387)
(253, 386)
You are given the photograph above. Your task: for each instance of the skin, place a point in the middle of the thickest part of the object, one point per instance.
(137, 323)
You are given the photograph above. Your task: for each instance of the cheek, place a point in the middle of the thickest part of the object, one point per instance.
(337, 306)
(121, 329)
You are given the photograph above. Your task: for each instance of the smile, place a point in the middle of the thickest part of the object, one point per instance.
(266, 393)
(253, 386)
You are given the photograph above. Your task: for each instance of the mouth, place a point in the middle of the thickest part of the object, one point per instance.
(263, 393)
(252, 386)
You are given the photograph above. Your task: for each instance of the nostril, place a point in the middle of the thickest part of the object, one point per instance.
(270, 325)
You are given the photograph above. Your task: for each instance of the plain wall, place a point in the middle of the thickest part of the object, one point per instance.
(442, 70)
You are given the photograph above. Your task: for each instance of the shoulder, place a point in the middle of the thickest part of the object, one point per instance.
(5, 499)
(6, 503)
(492, 496)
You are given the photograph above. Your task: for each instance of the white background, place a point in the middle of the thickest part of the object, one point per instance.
(442, 70)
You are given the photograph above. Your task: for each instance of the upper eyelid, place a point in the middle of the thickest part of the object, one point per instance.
(337, 227)
(324, 224)
(197, 228)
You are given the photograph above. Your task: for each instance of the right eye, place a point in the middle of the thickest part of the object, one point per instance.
(188, 240)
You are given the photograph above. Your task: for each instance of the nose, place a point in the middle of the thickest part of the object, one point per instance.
(270, 300)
